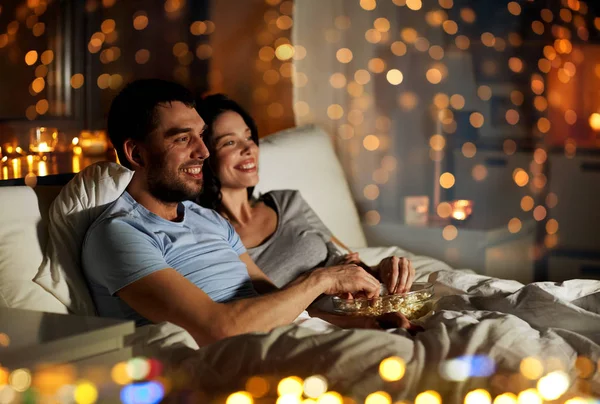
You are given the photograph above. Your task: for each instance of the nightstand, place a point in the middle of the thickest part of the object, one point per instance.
(38, 338)
(494, 252)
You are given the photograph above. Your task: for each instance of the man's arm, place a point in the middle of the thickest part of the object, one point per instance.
(166, 295)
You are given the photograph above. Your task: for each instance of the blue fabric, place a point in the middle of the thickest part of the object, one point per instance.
(128, 242)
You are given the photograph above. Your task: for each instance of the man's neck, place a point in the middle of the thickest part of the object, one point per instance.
(142, 195)
(235, 206)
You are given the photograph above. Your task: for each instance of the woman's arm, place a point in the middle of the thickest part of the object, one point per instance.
(260, 280)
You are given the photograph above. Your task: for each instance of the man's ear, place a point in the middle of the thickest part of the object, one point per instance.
(133, 153)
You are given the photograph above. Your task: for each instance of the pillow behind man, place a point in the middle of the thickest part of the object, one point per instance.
(73, 211)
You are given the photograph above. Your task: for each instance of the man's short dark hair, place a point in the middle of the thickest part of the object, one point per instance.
(132, 114)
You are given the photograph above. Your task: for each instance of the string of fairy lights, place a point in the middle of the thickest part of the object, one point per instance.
(562, 58)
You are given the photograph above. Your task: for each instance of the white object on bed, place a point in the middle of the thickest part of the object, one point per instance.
(22, 240)
(79, 203)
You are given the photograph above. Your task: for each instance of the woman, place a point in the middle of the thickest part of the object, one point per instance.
(280, 231)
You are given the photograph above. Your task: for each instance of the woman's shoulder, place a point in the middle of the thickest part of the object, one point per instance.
(286, 199)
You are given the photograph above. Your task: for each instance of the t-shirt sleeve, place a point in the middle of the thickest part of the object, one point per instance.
(116, 254)
(234, 239)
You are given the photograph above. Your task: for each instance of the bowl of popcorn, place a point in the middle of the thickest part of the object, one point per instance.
(414, 304)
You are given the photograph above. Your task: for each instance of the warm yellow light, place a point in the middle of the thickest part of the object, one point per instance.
(469, 150)
(394, 76)
(434, 76)
(540, 103)
(514, 8)
(331, 397)
(409, 35)
(362, 76)
(479, 172)
(408, 100)
(284, 52)
(436, 18)
(539, 213)
(505, 398)
(529, 396)
(20, 380)
(520, 177)
(337, 80)
(372, 218)
(85, 393)
(368, 4)
(371, 142)
(451, 27)
(444, 210)
(543, 125)
(335, 111)
(594, 121)
(290, 385)
(447, 180)
(446, 3)
(376, 65)
(484, 92)
(462, 42)
(577, 400)
(479, 396)
(240, 397)
(414, 5)
(457, 101)
(527, 203)
(398, 48)
(373, 36)
(429, 396)
(77, 80)
(140, 21)
(342, 22)
(315, 386)
(371, 192)
(512, 117)
(476, 119)
(379, 397)
(468, 15)
(437, 142)
(31, 57)
(515, 64)
(41, 107)
(514, 225)
(436, 52)
(488, 39)
(115, 81)
(392, 369)
(344, 55)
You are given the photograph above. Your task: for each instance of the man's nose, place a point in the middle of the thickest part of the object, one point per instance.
(200, 149)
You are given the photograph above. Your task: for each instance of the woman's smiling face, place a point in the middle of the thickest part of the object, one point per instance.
(235, 153)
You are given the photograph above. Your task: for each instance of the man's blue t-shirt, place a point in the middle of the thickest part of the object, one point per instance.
(128, 242)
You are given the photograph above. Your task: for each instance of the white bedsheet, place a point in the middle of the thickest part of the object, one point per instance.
(475, 314)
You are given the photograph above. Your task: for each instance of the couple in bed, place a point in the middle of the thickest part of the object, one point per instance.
(155, 256)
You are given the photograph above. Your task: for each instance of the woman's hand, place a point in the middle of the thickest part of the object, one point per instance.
(397, 273)
(351, 258)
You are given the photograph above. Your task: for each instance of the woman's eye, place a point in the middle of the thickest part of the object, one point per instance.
(229, 143)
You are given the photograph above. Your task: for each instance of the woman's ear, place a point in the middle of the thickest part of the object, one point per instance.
(133, 153)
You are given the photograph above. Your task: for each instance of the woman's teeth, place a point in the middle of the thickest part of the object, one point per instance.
(247, 166)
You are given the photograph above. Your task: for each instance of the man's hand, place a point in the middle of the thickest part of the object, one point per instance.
(351, 258)
(348, 278)
(397, 273)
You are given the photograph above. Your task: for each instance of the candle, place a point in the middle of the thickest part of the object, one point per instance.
(42, 168)
(93, 143)
(76, 163)
(461, 209)
(43, 140)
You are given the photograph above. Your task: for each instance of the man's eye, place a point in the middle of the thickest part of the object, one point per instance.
(182, 139)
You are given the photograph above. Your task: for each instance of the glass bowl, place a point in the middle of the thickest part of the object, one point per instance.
(412, 305)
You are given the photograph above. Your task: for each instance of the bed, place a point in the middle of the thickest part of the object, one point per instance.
(486, 338)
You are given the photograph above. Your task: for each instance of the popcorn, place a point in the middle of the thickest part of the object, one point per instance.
(412, 305)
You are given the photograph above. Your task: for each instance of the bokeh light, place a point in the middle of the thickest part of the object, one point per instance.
(239, 397)
(392, 369)
(479, 396)
(531, 368)
(428, 397)
(379, 397)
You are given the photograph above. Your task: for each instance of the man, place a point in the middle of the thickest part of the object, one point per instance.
(153, 256)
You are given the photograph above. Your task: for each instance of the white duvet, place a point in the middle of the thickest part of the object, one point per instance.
(475, 315)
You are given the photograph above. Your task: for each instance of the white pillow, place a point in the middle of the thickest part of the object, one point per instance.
(303, 158)
(79, 203)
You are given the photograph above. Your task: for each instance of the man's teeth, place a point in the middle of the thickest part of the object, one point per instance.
(193, 170)
(248, 166)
